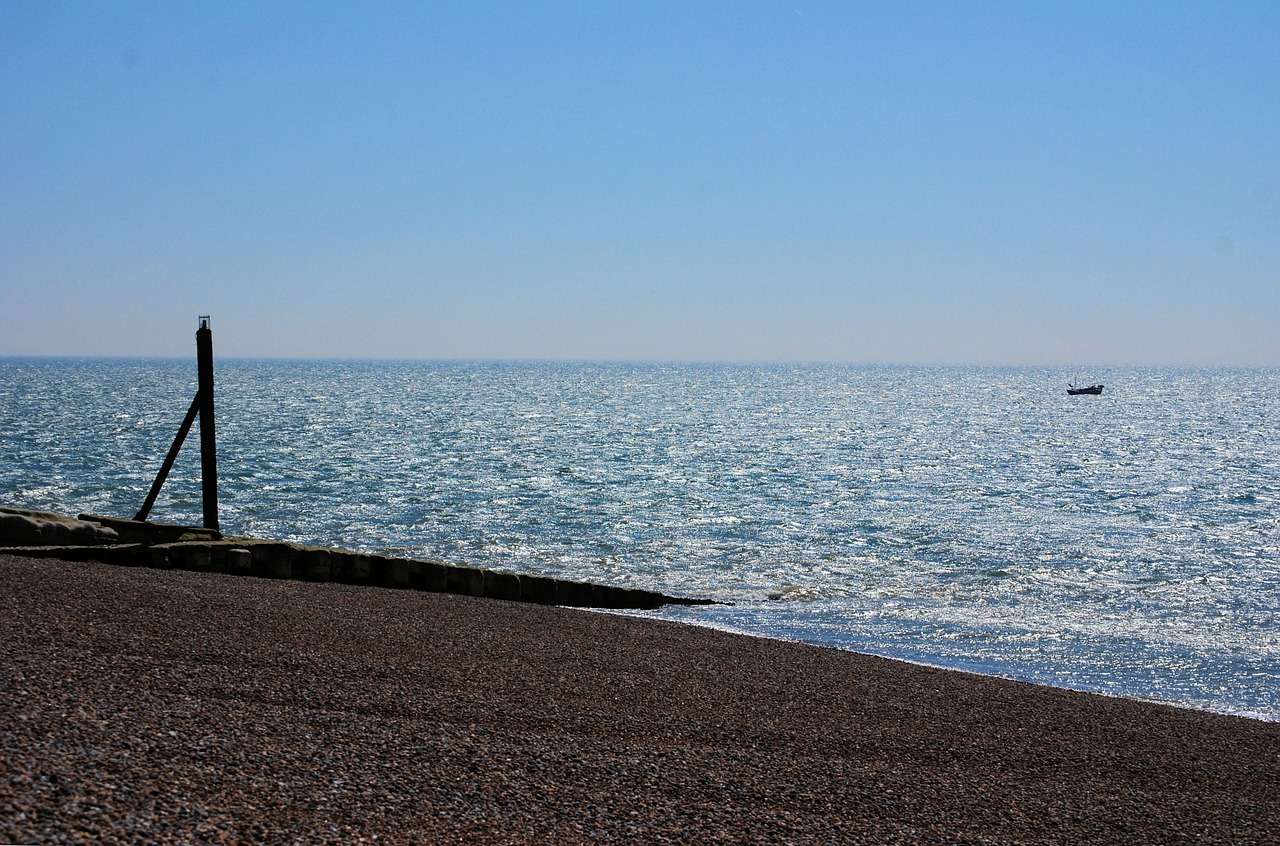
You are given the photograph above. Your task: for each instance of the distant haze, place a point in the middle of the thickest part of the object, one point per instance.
(1017, 183)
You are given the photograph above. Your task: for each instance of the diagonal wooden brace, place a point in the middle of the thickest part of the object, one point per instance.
(196, 405)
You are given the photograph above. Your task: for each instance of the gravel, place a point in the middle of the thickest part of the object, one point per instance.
(153, 706)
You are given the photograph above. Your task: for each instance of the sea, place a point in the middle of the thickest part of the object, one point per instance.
(972, 518)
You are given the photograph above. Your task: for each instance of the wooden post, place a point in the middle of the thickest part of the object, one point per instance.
(203, 406)
(208, 436)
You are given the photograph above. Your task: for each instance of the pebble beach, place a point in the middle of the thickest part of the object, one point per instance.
(164, 706)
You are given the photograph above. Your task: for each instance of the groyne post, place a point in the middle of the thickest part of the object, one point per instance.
(203, 406)
(208, 437)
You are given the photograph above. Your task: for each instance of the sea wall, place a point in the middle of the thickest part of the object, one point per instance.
(132, 543)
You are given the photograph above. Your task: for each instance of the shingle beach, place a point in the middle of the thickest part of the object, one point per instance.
(163, 706)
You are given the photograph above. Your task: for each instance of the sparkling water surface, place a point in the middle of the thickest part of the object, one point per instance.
(971, 518)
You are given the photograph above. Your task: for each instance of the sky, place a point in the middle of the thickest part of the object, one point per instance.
(1053, 183)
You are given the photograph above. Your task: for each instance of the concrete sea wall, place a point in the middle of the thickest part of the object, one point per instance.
(132, 543)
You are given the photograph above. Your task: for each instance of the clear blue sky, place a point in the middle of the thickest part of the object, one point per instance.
(1024, 182)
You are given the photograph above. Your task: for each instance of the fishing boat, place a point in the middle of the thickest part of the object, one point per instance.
(1072, 390)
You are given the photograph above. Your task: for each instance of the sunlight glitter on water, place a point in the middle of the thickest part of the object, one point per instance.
(969, 517)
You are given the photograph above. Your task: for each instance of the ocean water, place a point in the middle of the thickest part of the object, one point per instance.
(970, 518)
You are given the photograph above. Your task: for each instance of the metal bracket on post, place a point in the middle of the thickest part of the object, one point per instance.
(202, 405)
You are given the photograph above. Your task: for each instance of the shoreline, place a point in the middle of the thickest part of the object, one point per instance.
(174, 705)
(1169, 703)
(130, 543)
